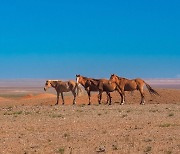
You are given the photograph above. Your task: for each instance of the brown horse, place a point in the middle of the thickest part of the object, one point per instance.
(100, 85)
(106, 86)
(63, 86)
(131, 85)
(89, 85)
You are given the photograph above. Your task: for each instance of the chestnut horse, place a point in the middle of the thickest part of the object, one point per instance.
(100, 85)
(63, 86)
(131, 85)
(106, 86)
(89, 85)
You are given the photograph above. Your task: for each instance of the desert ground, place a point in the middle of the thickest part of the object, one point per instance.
(31, 123)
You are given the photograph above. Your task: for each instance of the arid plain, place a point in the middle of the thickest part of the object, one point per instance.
(30, 123)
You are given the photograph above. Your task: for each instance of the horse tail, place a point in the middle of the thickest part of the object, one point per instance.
(151, 91)
(78, 89)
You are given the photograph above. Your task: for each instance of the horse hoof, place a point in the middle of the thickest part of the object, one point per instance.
(109, 104)
(89, 104)
(56, 104)
(122, 104)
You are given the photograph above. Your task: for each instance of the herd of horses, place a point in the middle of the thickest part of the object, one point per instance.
(114, 83)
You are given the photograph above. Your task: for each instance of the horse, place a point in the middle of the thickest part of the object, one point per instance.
(106, 86)
(131, 85)
(63, 86)
(100, 85)
(90, 84)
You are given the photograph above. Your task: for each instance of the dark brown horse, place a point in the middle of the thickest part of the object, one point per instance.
(63, 86)
(89, 85)
(131, 85)
(108, 87)
(100, 85)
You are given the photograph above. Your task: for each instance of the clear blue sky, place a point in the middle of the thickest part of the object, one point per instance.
(58, 39)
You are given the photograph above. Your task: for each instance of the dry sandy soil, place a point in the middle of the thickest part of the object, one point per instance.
(30, 123)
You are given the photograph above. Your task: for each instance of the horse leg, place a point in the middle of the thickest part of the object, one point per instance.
(62, 98)
(109, 96)
(74, 100)
(107, 101)
(100, 97)
(89, 95)
(142, 96)
(57, 98)
(123, 97)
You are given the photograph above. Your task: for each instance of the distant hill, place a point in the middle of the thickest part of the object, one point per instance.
(37, 83)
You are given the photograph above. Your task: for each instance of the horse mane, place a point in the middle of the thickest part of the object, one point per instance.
(121, 78)
(95, 79)
(86, 78)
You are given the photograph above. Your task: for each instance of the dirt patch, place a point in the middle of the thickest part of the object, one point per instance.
(32, 124)
(2, 99)
(38, 96)
(27, 96)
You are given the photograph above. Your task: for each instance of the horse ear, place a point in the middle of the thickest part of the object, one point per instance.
(77, 75)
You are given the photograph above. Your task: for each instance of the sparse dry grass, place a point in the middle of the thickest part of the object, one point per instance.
(36, 126)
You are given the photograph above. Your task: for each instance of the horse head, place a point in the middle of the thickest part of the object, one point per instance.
(79, 79)
(49, 84)
(113, 77)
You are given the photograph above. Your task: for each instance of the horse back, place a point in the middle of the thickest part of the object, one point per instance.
(91, 84)
(95, 84)
(105, 85)
(134, 84)
(66, 86)
(72, 83)
(130, 85)
(108, 86)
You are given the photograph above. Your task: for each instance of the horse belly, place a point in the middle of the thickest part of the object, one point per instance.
(130, 87)
(93, 88)
(108, 88)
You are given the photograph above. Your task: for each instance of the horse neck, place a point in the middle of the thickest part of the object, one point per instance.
(83, 82)
(111, 81)
(113, 84)
(122, 80)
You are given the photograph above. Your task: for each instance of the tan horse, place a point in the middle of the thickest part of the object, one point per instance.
(131, 85)
(89, 85)
(63, 86)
